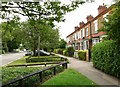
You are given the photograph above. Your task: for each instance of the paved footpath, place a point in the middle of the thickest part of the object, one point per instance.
(87, 69)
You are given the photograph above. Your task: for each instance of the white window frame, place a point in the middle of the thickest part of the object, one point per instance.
(80, 33)
(86, 31)
(83, 32)
(104, 17)
(76, 35)
(96, 26)
(81, 46)
(95, 41)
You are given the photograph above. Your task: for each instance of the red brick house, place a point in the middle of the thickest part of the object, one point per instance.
(87, 34)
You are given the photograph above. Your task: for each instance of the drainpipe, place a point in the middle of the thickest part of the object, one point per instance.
(90, 43)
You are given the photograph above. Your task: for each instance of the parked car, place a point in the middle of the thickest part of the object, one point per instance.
(42, 53)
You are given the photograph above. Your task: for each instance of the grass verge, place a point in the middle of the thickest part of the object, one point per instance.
(69, 77)
(19, 61)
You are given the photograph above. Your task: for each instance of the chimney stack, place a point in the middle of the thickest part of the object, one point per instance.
(76, 27)
(89, 18)
(81, 24)
(101, 8)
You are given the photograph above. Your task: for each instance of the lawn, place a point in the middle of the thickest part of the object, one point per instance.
(19, 61)
(70, 77)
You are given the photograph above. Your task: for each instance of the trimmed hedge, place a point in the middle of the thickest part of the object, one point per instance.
(65, 52)
(106, 57)
(59, 51)
(12, 73)
(44, 59)
(82, 54)
(70, 51)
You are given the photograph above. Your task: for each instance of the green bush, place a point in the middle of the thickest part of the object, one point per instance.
(58, 51)
(106, 57)
(82, 55)
(65, 52)
(11, 73)
(2, 51)
(70, 51)
(55, 50)
(44, 59)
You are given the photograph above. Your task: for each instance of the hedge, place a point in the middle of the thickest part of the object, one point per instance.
(106, 57)
(12, 73)
(2, 51)
(59, 51)
(44, 59)
(82, 54)
(65, 52)
(70, 51)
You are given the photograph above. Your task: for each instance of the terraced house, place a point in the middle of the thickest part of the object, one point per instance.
(87, 34)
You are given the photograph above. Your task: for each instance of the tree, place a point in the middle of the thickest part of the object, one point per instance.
(62, 44)
(9, 33)
(41, 18)
(46, 33)
(112, 26)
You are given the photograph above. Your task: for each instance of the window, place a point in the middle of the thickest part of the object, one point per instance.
(80, 34)
(85, 45)
(86, 31)
(95, 41)
(81, 46)
(96, 26)
(83, 33)
(73, 36)
(105, 17)
(76, 35)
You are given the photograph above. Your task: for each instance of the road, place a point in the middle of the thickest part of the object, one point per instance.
(8, 58)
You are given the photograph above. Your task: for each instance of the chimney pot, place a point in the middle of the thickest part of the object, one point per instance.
(89, 18)
(101, 8)
(81, 24)
(76, 27)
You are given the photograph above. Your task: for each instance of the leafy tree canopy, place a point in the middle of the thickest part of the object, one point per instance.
(112, 25)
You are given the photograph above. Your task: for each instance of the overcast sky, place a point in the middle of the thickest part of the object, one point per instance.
(73, 18)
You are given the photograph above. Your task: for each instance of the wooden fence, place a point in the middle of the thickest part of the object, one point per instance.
(20, 80)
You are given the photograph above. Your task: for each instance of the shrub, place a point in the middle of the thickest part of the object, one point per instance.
(12, 73)
(44, 59)
(70, 51)
(82, 55)
(59, 51)
(55, 50)
(106, 57)
(65, 52)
